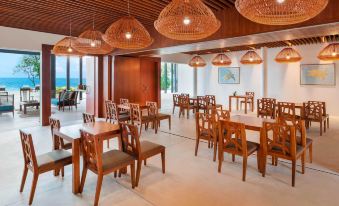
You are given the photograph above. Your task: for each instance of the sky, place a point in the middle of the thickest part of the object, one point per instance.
(9, 61)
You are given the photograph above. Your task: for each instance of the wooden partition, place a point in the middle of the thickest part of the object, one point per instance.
(45, 85)
(137, 79)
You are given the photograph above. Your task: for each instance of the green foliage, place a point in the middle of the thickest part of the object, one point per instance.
(29, 65)
(165, 76)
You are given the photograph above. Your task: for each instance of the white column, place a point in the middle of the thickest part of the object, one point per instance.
(264, 72)
(195, 82)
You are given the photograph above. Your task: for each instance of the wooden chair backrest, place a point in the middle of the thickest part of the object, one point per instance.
(152, 108)
(87, 118)
(55, 125)
(323, 103)
(185, 95)
(130, 139)
(251, 94)
(111, 111)
(28, 150)
(205, 124)
(280, 139)
(135, 113)
(210, 100)
(184, 101)
(314, 109)
(232, 137)
(176, 99)
(223, 114)
(300, 129)
(201, 101)
(124, 101)
(266, 105)
(286, 110)
(91, 150)
(25, 94)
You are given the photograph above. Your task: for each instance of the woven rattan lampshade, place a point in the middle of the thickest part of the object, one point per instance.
(288, 55)
(91, 42)
(221, 60)
(330, 52)
(251, 57)
(128, 33)
(187, 20)
(197, 61)
(280, 12)
(64, 47)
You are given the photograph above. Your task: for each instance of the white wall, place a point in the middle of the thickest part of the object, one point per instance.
(25, 40)
(185, 79)
(283, 79)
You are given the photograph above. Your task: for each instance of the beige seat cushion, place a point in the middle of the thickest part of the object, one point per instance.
(251, 146)
(149, 148)
(115, 158)
(51, 159)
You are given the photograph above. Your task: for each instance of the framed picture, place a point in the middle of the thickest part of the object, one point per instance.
(318, 74)
(229, 75)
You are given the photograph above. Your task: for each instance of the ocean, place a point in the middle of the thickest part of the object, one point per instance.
(14, 84)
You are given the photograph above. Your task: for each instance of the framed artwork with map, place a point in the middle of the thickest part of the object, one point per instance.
(229, 75)
(318, 74)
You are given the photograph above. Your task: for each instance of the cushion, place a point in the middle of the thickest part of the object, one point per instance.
(55, 101)
(149, 148)
(278, 149)
(114, 159)
(50, 159)
(251, 146)
(6, 108)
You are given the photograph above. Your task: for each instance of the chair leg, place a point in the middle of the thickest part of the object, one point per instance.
(108, 143)
(188, 113)
(293, 172)
(163, 165)
(145, 162)
(233, 157)
(215, 149)
(328, 123)
(34, 183)
(264, 159)
(23, 180)
(138, 172)
(325, 125)
(83, 179)
(303, 157)
(63, 172)
(173, 109)
(98, 189)
(196, 146)
(169, 123)
(310, 152)
(244, 167)
(133, 175)
(321, 129)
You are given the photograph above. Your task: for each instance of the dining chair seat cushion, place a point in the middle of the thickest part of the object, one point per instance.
(124, 117)
(123, 112)
(67, 145)
(251, 146)
(53, 158)
(278, 149)
(312, 117)
(5, 107)
(149, 148)
(163, 116)
(115, 158)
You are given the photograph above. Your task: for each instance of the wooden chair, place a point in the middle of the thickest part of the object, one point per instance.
(175, 101)
(232, 139)
(153, 111)
(205, 129)
(112, 114)
(184, 103)
(201, 104)
(140, 150)
(280, 142)
(327, 116)
(300, 134)
(250, 100)
(102, 163)
(87, 118)
(266, 108)
(137, 118)
(313, 112)
(286, 110)
(223, 114)
(210, 100)
(51, 161)
(124, 102)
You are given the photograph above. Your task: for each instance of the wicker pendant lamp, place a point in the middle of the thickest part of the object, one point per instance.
(128, 33)
(65, 47)
(330, 52)
(251, 57)
(221, 60)
(187, 20)
(280, 12)
(197, 61)
(288, 55)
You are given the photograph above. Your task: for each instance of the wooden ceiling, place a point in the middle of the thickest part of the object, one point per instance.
(53, 16)
(294, 42)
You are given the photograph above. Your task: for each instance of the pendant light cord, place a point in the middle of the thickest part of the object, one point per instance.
(128, 12)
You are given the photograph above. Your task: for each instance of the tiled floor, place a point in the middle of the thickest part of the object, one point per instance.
(189, 180)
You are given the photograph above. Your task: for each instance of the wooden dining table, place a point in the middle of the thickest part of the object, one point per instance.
(71, 134)
(254, 124)
(237, 97)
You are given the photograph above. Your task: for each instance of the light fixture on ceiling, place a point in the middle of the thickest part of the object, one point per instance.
(288, 55)
(128, 33)
(280, 12)
(197, 61)
(221, 60)
(187, 20)
(251, 57)
(330, 52)
(91, 42)
(65, 47)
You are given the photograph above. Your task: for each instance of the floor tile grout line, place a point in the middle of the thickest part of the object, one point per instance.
(314, 169)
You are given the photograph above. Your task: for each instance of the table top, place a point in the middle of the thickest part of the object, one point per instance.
(297, 105)
(251, 123)
(99, 128)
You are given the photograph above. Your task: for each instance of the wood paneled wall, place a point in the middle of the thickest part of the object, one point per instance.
(137, 79)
